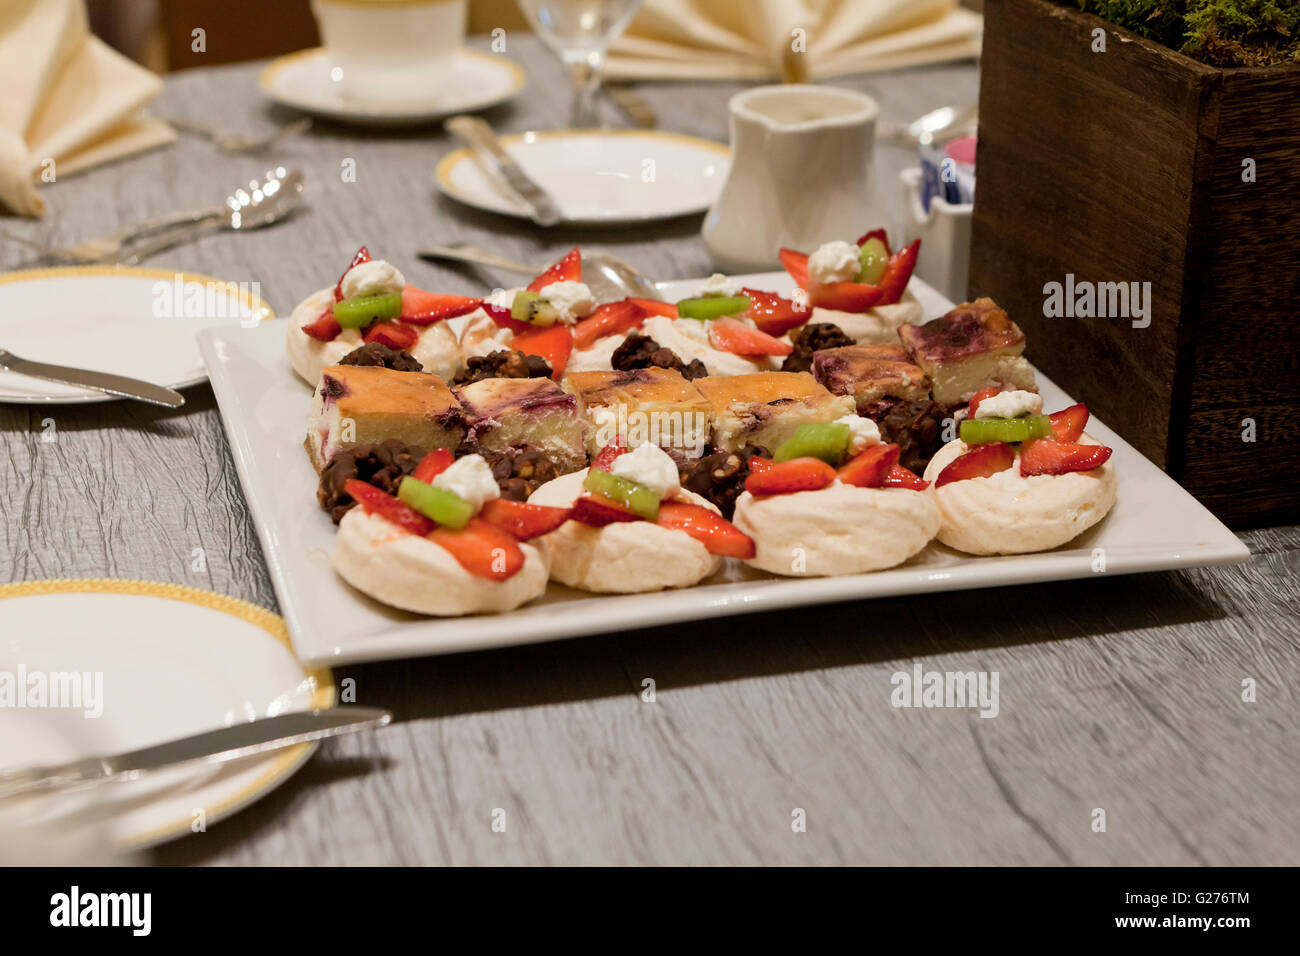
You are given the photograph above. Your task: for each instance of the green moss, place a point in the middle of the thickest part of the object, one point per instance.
(1218, 32)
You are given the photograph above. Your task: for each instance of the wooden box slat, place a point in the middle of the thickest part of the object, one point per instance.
(1126, 166)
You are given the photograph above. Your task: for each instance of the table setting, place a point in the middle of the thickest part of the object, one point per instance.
(630, 438)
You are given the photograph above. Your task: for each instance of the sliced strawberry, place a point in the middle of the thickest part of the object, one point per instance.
(900, 477)
(979, 396)
(552, 342)
(795, 263)
(774, 314)
(718, 535)
(759, 464)
(324, 327)
(598, 511)
(502, 318)
(396, 335)
(363, 255)
(797, 474)
(656, 307)
(870, 468)
(482, 549)
(980, 462)
(568, 269)
(425, 308)
(844, 296)
(432, 465)
(606, 456)
(612, 318)
(521, 520)
(875, 234)
(376, 502)
(1049, 456)
(732, 335)
(897, 273)
(1068, 423)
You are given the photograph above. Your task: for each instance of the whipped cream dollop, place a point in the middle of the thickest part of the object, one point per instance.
(572, 300)
(863, 432)
(471, 479)
(376, 277)
(649, 465)
(1010, 404)
(720, 285)
(834, 262)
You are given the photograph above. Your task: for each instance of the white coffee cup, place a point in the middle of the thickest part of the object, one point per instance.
(390, 51)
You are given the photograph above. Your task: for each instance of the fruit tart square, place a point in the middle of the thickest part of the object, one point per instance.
(975, 346)
(766, 408)
(657, 405)
(368, 404)
(870, 374)
(503, 414)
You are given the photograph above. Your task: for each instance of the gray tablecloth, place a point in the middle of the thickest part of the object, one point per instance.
(1119, 694)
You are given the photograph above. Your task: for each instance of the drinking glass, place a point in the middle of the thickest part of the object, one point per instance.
(579, 32)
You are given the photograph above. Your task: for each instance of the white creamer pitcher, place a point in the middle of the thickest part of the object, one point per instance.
(802, 173)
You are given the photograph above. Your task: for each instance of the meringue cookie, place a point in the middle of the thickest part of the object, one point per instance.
(840, 529)
(878, 326)
(410, 572)
(1006, 513)
(436, 348)
(626, 557)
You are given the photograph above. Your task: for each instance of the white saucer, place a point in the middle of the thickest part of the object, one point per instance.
(136, 322)
(174, 661)
(598, 177)
(304, 81)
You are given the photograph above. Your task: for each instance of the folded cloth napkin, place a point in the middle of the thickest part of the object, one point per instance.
(790, 40)
(67, 100)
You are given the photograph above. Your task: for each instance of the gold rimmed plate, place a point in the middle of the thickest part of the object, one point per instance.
(597, 177)
(127, 321)
(306, 81)
(105, 666)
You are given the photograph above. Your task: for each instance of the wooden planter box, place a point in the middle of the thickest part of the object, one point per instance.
(1127, 166)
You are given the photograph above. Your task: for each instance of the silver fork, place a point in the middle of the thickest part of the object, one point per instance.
(232, 142)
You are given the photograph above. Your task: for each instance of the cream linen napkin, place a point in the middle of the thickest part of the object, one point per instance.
(65, 98)
(753, 39)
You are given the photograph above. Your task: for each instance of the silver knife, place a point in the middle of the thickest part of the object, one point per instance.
(212, 746)
(100, 381)
(478, 134)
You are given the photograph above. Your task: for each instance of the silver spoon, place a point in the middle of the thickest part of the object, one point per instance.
(260, 203)
(934, 125)
(609, 277)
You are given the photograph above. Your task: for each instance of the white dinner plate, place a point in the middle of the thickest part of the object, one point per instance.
(1155, 525)
(597, 177)
(165, 661)
(305, 81)
(135, 322)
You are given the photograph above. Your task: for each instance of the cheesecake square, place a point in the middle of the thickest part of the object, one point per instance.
(655, 405)
(871, 374)
(974, 346)
(766, 408)
(512, 414)
(369, 404)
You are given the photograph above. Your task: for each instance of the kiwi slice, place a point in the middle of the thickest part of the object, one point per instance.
(638, 499)
(983, 431)
(872, 259)
(712, 306)
(531, 307)
(828, 441)
(364, 309)
(447, 508)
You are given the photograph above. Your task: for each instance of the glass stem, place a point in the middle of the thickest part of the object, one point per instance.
(585, 74)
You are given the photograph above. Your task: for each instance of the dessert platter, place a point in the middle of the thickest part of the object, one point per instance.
(432, 473)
